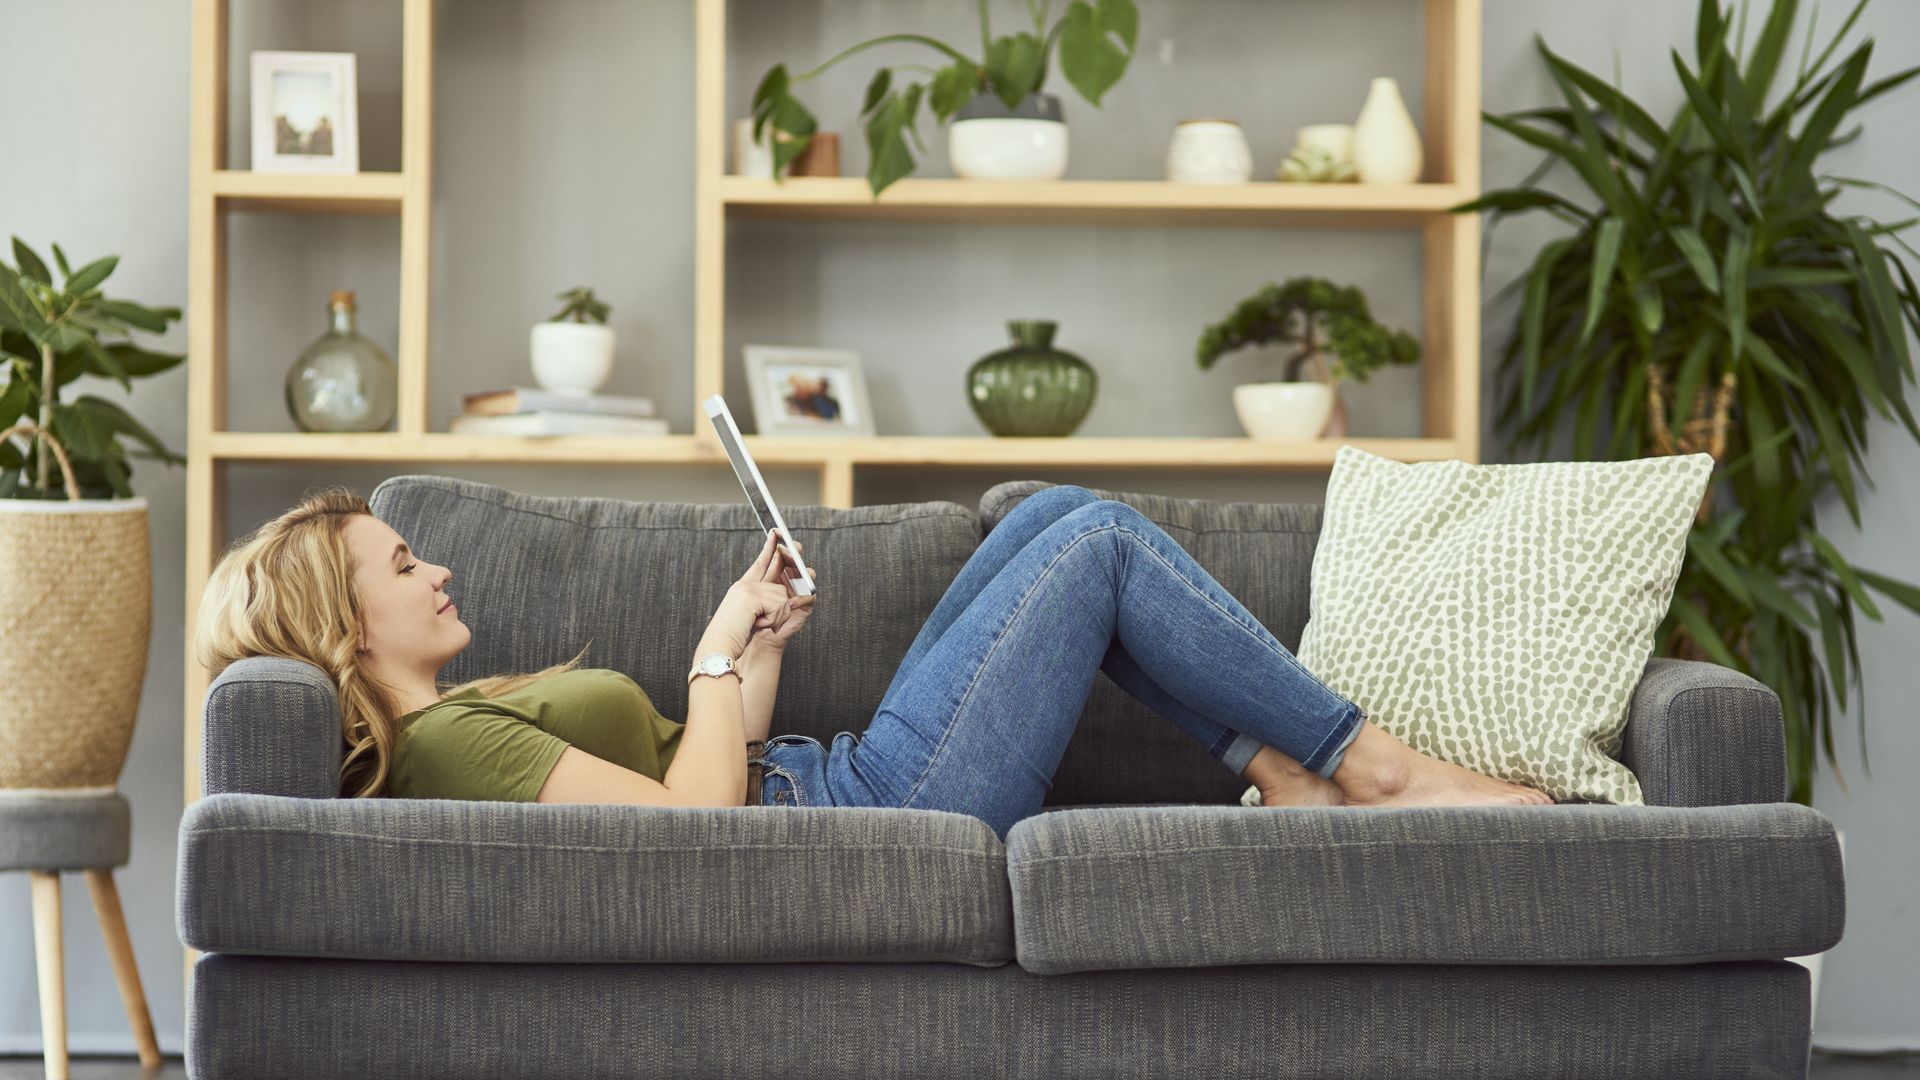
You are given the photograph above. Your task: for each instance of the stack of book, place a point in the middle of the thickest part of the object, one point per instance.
(522, 410)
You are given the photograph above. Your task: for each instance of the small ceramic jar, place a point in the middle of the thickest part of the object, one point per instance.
(1209, 152)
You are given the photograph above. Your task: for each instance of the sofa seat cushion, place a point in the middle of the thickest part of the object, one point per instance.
(434, 879)
(1095, 889)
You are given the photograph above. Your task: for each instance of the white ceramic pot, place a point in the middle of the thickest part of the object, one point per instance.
(1812, 963)
(1283, 410)
(750, 158)
(572, 358)
(1386, 145)
(1209, 152)
(988, 141)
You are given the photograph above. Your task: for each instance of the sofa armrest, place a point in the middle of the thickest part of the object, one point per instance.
(1700, 734)
(271, 726)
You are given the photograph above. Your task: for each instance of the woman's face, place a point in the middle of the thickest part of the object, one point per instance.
(409, 623)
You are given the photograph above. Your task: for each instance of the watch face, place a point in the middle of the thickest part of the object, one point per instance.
(714, 665)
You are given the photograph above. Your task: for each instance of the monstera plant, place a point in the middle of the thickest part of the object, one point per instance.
(1709, 299)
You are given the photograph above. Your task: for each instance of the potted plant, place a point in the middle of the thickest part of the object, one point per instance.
(75, 560)
(1004, 127)
(1710, 292)
(1324, 318)
(573, 349)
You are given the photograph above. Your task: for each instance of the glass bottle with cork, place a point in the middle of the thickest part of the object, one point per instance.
(342, 382)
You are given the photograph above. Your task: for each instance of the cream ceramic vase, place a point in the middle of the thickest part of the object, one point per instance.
(1386, 145)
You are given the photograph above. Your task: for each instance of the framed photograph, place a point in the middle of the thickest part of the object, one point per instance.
(305, 113)
(807, 391)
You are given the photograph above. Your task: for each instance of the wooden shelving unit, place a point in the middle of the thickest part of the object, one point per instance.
(1450, 331)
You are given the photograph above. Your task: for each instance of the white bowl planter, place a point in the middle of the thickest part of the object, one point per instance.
(988, 141)
(1283, 410)
(572, 358)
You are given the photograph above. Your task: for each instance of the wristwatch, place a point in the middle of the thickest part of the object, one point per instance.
(715, 664)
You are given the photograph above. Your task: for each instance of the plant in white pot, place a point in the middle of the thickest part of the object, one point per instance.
(1004, 127)
(1325, 319)
(573, 349)
(75, 564)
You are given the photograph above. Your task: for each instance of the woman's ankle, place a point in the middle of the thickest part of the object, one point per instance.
(1376, 765)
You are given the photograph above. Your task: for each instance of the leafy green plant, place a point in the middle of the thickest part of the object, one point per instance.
(1096, 42)
(51, 335)
(581, 307)
(1302, 310)
(1711, 262)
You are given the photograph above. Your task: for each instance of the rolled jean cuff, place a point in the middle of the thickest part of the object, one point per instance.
(1326, 769)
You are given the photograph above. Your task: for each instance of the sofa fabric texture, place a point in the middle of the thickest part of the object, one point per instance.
(265, 1019)
(64, 832)
(443, 879)
(1597, 884)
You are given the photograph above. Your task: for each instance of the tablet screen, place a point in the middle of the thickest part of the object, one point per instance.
(741, 469)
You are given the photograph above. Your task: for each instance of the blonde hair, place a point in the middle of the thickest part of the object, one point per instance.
(286, 589)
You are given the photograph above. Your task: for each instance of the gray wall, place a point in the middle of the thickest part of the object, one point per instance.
(562, 156)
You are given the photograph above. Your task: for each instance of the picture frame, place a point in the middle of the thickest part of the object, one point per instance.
(306, 114)
(808, 391)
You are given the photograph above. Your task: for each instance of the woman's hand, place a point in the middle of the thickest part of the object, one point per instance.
(761, 600)
(766, 633)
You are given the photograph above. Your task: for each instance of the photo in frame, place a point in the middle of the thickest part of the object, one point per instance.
(306, 117)
(799, 390)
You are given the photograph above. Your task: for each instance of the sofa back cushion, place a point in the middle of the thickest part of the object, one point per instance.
(539, 577)
(1262, 553)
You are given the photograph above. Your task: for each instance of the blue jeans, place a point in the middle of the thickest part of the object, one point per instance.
(1067, 584)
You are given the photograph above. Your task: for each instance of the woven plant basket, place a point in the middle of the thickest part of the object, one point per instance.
(76, 606)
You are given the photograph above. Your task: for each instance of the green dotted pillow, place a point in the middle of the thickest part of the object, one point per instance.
(1499, 616)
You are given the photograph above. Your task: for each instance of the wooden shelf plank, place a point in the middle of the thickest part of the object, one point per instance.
(348, 193)
(959, 451)
(1090, 201)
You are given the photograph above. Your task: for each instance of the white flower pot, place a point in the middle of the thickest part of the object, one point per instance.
(988, 141)
(572, 358)
(1812, 963)
(1283, 410)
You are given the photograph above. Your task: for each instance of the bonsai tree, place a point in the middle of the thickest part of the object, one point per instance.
(1320, 316)
(51, 335)
(1096, 41)
(1708, 300)
(581, 307)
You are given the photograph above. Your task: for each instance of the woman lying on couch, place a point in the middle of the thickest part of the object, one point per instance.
(976, 720)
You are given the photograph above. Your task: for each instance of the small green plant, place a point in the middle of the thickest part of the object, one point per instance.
(581, 307)
(1096, 42)
(1302, 310)
(51, 335)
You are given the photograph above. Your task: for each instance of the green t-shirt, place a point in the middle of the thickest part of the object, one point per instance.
(466, 746)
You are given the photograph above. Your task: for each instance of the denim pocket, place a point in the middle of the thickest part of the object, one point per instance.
(790, 794)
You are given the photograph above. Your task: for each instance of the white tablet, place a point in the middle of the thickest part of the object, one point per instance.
(756, 488)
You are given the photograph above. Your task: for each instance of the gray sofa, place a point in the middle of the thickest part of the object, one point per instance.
(1145, 924)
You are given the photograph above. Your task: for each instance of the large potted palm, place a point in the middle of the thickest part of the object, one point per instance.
(75, 564)
(1707, 299)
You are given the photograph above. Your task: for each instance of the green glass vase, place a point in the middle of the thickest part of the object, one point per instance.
(1030, 387)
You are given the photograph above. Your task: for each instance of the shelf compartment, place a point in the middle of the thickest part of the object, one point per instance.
(962, 451)
(326, 193)
(1088, 202)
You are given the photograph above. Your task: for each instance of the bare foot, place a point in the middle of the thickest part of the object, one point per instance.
(1283, 782)
(1380, 770)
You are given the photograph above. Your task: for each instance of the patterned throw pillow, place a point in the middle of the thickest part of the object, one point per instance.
(1499, 616)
